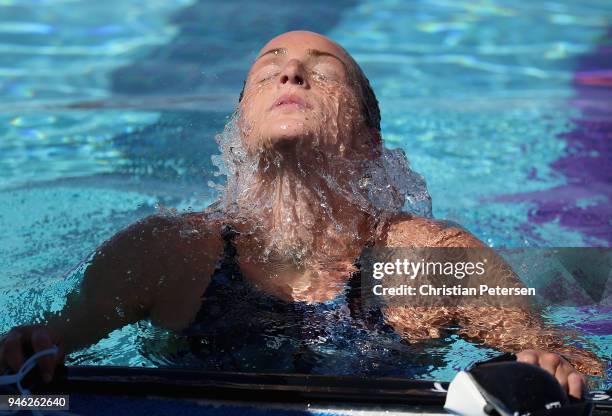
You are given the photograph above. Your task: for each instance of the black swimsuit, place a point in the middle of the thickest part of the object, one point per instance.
(241, 328)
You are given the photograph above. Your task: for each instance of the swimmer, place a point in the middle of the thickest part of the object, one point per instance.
(307, 125)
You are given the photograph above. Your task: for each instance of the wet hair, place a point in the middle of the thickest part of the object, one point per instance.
(369, 103)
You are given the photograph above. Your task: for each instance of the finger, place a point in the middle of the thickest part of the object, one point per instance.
(57, 340)
(13, 351)
(576, 384)
(46, 364)
(561, 375)
(551, 362)
(527, 356)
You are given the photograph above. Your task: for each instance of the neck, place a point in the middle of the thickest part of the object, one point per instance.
(307, 207)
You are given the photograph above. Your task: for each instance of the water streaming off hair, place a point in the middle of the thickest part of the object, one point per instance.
(386, 183)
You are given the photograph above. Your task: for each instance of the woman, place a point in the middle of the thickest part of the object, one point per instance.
(310, 187)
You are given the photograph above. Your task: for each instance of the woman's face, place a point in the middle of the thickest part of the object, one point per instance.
(300, 94)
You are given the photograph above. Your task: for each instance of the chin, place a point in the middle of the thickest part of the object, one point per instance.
(286, 133)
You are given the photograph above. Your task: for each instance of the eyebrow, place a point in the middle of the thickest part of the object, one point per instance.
(310, 52)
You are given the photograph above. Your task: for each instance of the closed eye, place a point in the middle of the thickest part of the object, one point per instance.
(319, 76)
(325, 72)
(268, 76)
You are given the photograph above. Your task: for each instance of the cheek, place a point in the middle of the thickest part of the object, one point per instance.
(244, 119)
(251, 112)
(350, 101)
(341, 107)
(350, 111)
(328, 105)
(337, 98)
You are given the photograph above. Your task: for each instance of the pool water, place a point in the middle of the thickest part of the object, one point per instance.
(109, 111)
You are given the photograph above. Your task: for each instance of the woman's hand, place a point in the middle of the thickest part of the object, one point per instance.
(570, 379)
(23, 341)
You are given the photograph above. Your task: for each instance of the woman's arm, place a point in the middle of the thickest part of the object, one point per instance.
(157, 268)
(513, 329)
(510, 329)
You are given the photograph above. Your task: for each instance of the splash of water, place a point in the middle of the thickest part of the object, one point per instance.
(383, 185)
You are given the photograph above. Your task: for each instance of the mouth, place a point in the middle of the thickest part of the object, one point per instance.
(290, 101)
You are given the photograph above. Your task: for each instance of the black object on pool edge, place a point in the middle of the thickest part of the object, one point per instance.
(511, 389)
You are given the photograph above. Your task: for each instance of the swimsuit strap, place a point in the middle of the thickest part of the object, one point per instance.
(228, 260)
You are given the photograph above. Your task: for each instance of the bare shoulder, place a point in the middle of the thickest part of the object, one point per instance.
(155, 244)
(165, 229)
(412, 231)
(161, 262)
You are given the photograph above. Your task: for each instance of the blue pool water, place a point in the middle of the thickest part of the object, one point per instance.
(108, 111)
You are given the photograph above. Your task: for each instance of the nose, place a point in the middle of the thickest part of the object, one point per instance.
(293, 73)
